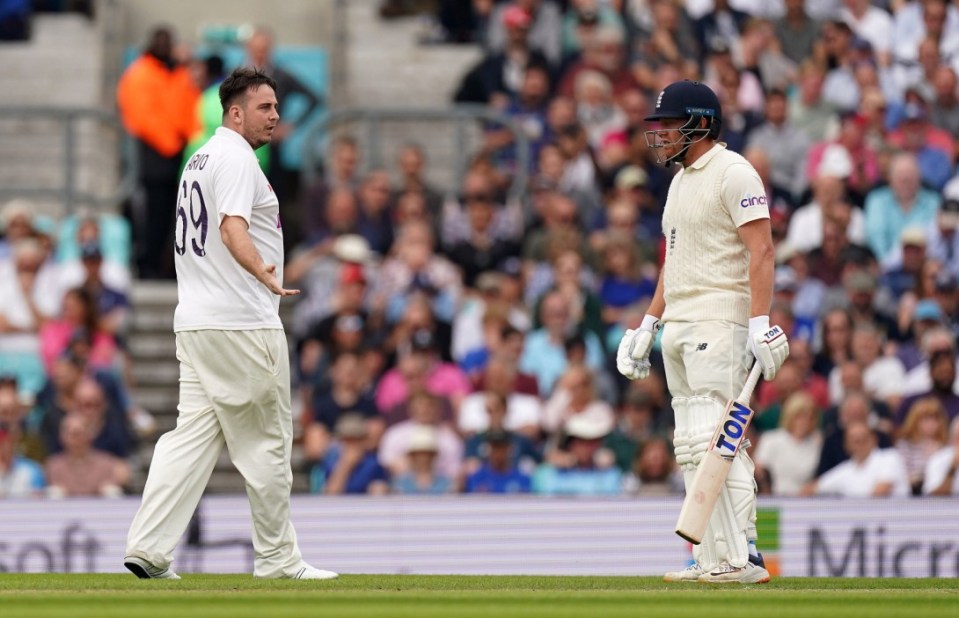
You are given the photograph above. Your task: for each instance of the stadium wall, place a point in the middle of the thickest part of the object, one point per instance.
(484, 535)
(294, 22)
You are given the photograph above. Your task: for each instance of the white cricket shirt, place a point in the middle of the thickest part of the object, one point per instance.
(224, 179)
(706, 270)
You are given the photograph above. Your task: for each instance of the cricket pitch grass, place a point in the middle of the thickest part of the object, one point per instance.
(415, 596)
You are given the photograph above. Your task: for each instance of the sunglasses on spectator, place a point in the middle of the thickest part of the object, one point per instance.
(8, 380)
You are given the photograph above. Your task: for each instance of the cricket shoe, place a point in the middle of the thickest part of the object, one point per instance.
(144, 570)
(726, 573)
(690, 574)
(309, 572)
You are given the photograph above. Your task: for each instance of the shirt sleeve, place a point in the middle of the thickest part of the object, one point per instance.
(234, 186)
(743, 194)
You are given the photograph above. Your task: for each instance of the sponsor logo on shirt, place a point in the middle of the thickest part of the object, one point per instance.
(752, 200)
(279, 225)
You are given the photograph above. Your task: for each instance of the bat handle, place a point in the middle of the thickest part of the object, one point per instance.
(751, 381)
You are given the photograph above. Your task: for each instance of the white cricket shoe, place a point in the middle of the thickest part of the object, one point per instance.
(144, 570)
(689, 574)
(309, 572)
(726, 573)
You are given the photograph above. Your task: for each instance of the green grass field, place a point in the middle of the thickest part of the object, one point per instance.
(400, 596)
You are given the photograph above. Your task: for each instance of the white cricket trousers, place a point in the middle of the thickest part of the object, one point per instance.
(234, 390)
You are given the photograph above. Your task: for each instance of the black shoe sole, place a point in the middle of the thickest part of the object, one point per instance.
(137, 570)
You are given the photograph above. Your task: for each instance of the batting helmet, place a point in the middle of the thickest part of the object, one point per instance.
(693, 101)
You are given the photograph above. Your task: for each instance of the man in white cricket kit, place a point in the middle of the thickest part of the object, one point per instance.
(713, 297)
(234, 364)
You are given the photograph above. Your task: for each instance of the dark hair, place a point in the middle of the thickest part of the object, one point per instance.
(239, 82)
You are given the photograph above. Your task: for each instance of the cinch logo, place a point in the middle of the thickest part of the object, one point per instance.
(733, 431)
(752, 200)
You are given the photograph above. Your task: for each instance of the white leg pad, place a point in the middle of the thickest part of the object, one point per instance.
(703, 413)
(735, 514)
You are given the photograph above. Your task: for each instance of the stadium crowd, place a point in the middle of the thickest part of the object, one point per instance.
(464, 341)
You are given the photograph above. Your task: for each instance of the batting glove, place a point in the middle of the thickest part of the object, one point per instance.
(767, 344)
(632, 358)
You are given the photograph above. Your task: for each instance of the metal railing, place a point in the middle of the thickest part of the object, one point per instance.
(372, 121)
(88, 143)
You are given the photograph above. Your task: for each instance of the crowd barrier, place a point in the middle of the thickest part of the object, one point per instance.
(496, 535)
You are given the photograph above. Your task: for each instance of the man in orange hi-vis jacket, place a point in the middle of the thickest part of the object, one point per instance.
(157, 99)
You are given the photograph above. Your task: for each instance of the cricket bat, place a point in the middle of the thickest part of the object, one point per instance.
(701, 496)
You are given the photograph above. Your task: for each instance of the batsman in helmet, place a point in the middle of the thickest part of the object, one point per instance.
(712, 302)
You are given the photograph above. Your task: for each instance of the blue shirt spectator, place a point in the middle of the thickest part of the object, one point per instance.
(903, 204)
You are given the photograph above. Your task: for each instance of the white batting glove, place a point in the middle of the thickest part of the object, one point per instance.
(767, 344)
(632, 357)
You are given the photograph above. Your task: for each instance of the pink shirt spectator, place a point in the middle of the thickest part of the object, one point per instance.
(55, 337)
(865, 165)
(443, 380)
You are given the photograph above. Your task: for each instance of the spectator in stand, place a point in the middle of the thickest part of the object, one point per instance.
(835, 258)
(30, 291)
(112, 304)
(157, 97)
(787, 456)
(419, 316)
(915, 21)
(482, 250)
(627, 281)
(422, 475)
(527, 109)
(499, 290)
(523, 411)
(923, 434)
(418, 366)
(82, 469)
(493, 409)
(828, 203)
(882, 376)
(838, 46)
(869, 472)
(836, 341)
(507, 221)
(348, 392)
(943, 239)
(544, 354)
(414, 267)
(654, 471)
(79, 321)
(343, 264)
(603, 52)
(865, 172)
(909, 277)
(665, 39)
(638, 420)
(20, 477)
(871, 24)
(796, 31)
(543, 19)
(933, 148)
(934, 377)
(499, 74)
(411, 163)
(941, 478)
(586, 468)
(106, 269)
(17, 224)
(944, 108)
(283, 178)
(904, 203)
(785, 145)
(373, 202)
(808, 112)
(499, 473)
(573, 281)
(350, 465)
(856, 408)
(425, 411)
(574, 396)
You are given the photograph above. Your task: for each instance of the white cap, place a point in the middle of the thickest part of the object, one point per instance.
(352, 248)
(589, 426)
(835, 162)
